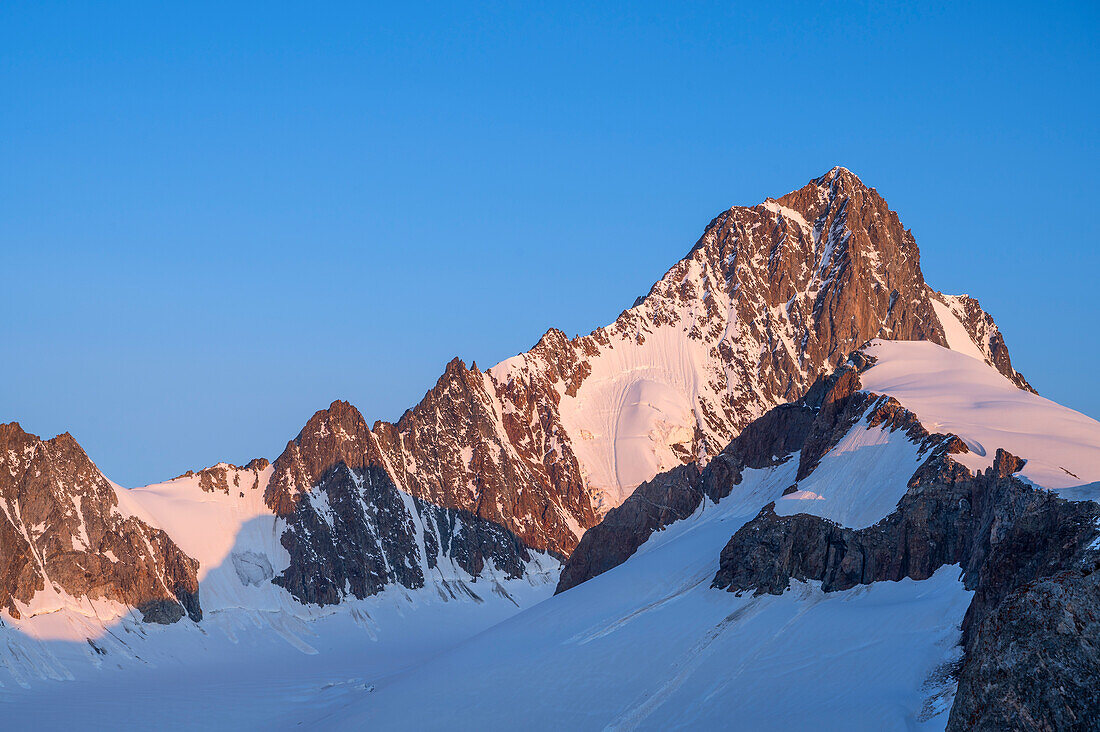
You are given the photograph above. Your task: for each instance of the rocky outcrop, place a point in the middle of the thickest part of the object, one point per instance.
(61, 534)
(1034, 662)
(1027, 554)
(497, 452)
(225, 477)
(350, 531)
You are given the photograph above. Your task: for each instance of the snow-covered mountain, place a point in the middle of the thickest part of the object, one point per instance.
(793, 369)
(878, 575)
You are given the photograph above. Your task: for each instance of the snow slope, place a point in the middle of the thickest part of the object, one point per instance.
(953, 393)
(239, 669)
(638, 401)
(649, 645)
(860, 481)
(234, 536)
(957, 337)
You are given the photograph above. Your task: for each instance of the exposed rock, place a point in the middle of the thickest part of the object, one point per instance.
(462, 448)
(224, 477)
(1035, 660)
(61, 532)
(352, 531)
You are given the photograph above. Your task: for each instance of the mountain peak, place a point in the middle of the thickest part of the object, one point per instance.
(843, 176)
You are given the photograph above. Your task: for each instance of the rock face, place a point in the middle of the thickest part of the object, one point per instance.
(498, 452)
(61, 534)
(772, 296)
(351, 531)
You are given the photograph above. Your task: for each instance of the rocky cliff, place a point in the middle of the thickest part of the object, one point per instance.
(63, 537)
(350, 531)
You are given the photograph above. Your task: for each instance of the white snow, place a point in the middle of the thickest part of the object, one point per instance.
(953, 393)
(212, 527)
(638, 400)
(790, 213)
(860, 481)
(649, 645)
(239, 669)
(957, 337)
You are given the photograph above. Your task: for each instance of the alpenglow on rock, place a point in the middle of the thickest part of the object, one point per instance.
(771, 297)
(63, 536)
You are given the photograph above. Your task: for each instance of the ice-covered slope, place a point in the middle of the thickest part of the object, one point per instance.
(950, 392)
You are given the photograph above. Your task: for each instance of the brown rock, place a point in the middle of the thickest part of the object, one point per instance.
(61, 527)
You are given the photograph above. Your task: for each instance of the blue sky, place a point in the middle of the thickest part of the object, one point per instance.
(217, 218)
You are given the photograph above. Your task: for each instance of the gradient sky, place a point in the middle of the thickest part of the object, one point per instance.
(216, 220)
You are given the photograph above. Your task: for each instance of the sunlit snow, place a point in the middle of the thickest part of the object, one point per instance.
(953, 393)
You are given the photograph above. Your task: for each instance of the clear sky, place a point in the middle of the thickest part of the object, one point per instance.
(216, 218)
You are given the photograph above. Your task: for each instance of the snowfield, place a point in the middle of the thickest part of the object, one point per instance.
(649, 645)
(952, 392)
(638, 400)
(238, 668)
(860, 481)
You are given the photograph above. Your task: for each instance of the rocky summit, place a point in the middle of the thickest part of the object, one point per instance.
(63, 537)
(792, 471)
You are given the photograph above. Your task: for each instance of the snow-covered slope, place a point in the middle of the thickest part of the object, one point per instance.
(239, 669)
(950, 392)
(860, 480)
(232, 533)
(649, 645)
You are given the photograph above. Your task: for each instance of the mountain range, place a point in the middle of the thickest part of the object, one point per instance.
(791, 483)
